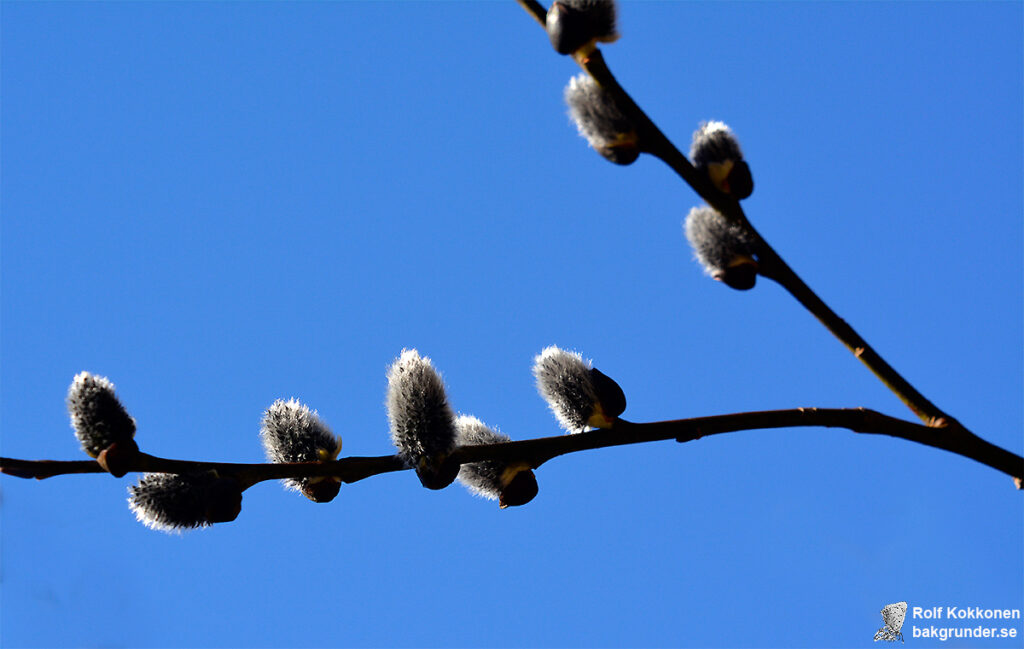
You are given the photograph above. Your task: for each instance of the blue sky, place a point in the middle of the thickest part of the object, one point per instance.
(218, 205)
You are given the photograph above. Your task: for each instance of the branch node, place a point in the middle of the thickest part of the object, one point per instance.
(691, 437)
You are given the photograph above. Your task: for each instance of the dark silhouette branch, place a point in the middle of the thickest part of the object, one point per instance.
(350, 469)
(535, 9)
(772, 265)
(536, 452)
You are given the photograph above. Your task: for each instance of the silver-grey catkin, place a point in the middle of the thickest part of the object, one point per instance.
(291, 432)
(716, 241)
(481, 478)
(171, 503)
(715, 151)
(97, 415)
(422, 422)
(714, 142)
(564, 381)
(599, 119)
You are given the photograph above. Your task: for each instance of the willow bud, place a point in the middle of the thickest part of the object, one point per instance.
(574, 26)
(510, 484)
(716, 153)
(724, 249)
(171, 503)
(601, 121)
(290, 432)
(101, 424)
(578, 394)
(422, 422)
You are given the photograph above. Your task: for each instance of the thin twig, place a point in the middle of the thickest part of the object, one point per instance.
(535, 9)
(350, 469)
(772, 265)
(536, 452)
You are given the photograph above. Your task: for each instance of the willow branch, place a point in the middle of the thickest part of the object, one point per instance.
(350, 469)
(655, 142)
(535, 9)
(536, 452)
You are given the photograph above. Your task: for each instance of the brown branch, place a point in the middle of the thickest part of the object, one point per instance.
(774, 267)
(350, 469)
(536, 452)
(655, 142)
(536, 10)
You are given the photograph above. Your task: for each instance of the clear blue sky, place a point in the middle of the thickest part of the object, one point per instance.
(219, 205)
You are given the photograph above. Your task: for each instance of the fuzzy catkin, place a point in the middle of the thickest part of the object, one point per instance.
(171, 503)
(564, 381)
(597, 116)
(291, 432)
(714, 142)
(716, 241)
(715, 152)
(422, 422)
(97, 415)
(481, 478)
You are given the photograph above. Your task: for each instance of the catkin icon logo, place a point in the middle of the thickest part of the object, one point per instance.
(892, 615)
